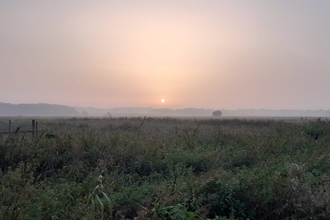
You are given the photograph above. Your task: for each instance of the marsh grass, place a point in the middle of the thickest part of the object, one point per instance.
(166, 168)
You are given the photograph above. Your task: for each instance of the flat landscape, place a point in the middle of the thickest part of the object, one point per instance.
(165, 168)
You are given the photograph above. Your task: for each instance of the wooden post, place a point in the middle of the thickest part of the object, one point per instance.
(9, 126)
(33, 128)
(36, 129)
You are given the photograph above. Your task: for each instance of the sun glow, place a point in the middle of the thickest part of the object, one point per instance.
(163, 100)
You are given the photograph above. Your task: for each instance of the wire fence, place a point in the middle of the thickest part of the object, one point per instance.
(17, 130)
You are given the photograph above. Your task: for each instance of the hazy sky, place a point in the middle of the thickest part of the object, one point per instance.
(205, 54)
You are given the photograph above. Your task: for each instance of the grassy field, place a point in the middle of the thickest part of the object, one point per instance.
(166, 168)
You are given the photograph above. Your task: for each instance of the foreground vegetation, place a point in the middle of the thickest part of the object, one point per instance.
(148, 168)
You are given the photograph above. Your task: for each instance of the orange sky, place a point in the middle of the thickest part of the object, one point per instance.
(203, 54)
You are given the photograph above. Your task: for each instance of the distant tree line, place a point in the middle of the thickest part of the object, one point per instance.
(7, 109)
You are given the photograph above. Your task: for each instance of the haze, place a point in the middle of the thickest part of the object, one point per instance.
(202, 54)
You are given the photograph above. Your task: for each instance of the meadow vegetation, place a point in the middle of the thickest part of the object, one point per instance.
(166, 168)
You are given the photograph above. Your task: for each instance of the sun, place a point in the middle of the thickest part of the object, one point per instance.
(163, 100)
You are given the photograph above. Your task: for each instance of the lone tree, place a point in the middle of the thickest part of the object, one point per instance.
(217, 113)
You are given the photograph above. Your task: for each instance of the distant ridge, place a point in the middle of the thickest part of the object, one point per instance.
(41, 109)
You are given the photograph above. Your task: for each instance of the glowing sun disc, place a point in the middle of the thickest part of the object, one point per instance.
(163, 100)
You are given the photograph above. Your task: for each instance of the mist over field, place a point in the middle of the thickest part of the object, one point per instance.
(7, 109)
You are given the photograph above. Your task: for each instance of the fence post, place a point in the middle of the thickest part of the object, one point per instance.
(33, 128)
(9, 126)
(36, 129)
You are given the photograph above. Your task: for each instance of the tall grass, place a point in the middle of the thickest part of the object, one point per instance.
(166, 168)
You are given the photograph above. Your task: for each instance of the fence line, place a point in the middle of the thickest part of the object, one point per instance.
(33, 131)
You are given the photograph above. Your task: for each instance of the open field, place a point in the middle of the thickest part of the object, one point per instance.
(166, 168)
